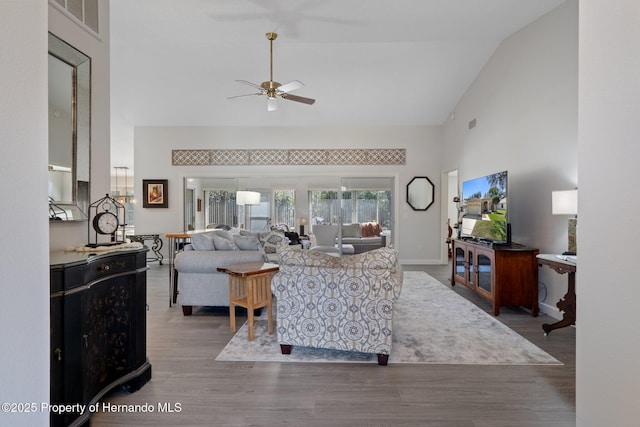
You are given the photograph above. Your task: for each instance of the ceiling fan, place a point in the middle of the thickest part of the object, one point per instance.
(273, 90)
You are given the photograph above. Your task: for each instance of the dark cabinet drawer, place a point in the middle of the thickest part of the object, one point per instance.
(108, 266)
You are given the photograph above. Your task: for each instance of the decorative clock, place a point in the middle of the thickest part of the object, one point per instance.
(107, 216)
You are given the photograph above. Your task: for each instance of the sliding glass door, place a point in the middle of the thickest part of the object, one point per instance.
(368, 201)
(291, 201)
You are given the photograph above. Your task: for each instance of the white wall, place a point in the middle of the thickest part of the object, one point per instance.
(525, 105)
(420, 233)
(24, 257)
(65, 235)
(608, 349)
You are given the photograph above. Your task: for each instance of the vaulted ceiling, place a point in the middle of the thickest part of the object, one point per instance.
(366, 62)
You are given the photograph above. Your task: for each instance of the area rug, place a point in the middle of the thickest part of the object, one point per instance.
(432, 325)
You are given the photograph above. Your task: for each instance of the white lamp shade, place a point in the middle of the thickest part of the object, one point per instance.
(564, 202)
(247, 198)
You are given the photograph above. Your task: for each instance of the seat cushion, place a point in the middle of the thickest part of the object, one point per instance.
(209, 261)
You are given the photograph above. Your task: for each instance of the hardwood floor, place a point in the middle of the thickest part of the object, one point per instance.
(189, 388)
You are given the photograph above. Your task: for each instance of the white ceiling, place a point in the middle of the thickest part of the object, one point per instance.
(366, 62)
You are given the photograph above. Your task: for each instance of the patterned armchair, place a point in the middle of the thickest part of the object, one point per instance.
(343, 303)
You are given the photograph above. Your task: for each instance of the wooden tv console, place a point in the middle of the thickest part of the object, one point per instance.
(504, 275)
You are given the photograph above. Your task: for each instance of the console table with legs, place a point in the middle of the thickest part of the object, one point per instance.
(155, 247)
(176, 243)
(568, 303)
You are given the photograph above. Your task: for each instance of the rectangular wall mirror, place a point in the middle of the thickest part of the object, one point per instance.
(69, 131)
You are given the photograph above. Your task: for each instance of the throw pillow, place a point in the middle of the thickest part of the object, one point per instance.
(351, 230)
(202, 242)
(371, 229)
(377, 229)
(223, 244)
(247, 243)
(271, 240)
(224, 234)
(255, 234)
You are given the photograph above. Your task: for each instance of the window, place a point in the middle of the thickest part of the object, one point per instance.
(220, 208)
(324, 206)
(357, 206)
(284, 208)
(373, 206)
(189, 209)
(84, 12)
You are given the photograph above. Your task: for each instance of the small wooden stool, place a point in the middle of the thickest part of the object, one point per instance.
(250, 287)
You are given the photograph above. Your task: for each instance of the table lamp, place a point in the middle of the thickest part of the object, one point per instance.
(566, 203)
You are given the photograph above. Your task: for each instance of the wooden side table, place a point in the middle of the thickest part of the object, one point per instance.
(250, 287)
(568, 303)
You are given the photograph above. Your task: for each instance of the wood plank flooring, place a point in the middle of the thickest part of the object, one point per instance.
(189, 388)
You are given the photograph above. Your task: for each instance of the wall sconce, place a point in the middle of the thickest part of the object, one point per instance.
(303, 222)
(566, 203)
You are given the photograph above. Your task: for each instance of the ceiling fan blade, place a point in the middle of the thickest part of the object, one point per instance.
(250, 84)
(240, 96)
(291, 86)
(308, 101)
(272, 104)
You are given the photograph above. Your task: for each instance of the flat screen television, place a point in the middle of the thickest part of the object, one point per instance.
(484, 209)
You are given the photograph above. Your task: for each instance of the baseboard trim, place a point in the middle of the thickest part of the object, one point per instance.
(550, 310)
(420, 262)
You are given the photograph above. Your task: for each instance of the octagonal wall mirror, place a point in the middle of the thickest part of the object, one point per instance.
(420, 193)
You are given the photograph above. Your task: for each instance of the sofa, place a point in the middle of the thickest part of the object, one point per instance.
(341, 303)
(363, 237)
(198, 279)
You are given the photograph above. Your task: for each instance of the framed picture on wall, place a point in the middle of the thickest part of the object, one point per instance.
(155, 193)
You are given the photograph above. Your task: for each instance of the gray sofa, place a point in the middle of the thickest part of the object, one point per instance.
(363, 237)
(199, 282)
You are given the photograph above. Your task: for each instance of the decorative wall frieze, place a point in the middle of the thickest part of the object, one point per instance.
(292, 157)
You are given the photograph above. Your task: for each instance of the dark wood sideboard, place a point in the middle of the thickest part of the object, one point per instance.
(98, 328)
(504, 275)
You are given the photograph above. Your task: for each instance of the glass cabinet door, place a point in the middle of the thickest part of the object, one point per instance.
(459, 263)
(472, 279)
(484, 266)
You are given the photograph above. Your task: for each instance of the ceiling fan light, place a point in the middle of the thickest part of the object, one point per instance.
(272, 104)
